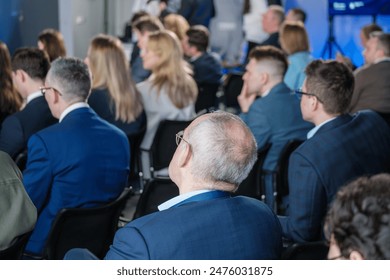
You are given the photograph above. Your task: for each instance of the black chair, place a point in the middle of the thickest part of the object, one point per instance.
(156, 192)
(91, 228)
(280, 176)
(164, 144)
(232, 88)
(135, 140)
(21, 160)
(306, 251)
(253, 185)
(207, 97)
(15, 251)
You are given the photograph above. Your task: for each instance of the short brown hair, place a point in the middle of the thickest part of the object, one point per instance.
(273, 54)
(148, 23)
(293, 37)
(198, 36)
(332, 82)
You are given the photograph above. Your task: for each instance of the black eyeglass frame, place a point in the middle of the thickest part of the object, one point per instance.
(298, 93)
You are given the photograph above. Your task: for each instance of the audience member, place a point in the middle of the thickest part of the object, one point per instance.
(215, 153)
(52, 42)
(30, 66)
(226, 34)
(296, 14)
(365, 32)
(373, 80)
(177, 24)
(207, 68)
(340, 148)
(142, 28)
(359, 220)
(252, 24)
(275, 117)
(197, 11)
(170, 92)
(83, 161)
(10, 100)
(114, 96)
(17, 212)
(295, 42)
(271, 22)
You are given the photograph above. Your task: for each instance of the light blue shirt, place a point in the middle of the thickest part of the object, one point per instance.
(314, 130)
(295, 74)
(177, 199)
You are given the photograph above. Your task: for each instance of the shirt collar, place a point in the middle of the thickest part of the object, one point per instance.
(72, 108)
(33, 95)
(177, 199)
(314, 130)
(381, 59)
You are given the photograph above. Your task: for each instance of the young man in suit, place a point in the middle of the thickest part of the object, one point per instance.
(29, 66)
(339, 148)
(81, 162)
(269, 108)
(214, 154)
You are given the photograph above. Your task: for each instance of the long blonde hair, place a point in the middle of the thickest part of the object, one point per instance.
(10, 100)
(172, 71)
(110, 69)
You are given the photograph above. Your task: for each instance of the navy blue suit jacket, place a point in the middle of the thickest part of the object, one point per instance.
(100, 101)
(207, 69)
(341, 150)
(17, 128)
(83, 161)
(218, 228)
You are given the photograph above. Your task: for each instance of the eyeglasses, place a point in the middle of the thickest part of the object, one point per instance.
(299, 93)
(179, 138)
(44, 89)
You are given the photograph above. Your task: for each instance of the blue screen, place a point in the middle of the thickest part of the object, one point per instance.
(359, 7)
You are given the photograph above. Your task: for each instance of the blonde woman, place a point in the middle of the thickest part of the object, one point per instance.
(114, 96)
(10, 100)
(52, 42)
(170, 92)
(177, 24)
(295, 42)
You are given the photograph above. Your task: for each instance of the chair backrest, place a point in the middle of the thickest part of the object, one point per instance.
(15, 251)
(91, 228)
(253, 185)
(232, 89)
(281, 187)
(306, 251)
(155, 192)
(207, 96)
(21, 160)
(164, 143)
(135, 140)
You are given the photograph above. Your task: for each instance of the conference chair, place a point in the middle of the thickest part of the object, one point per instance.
(306, 251)
(280, 176)
(232, 86)
(135, 140)
(15, 251)
(164, 145)
(21, 160)
(155, 192)
(207, 97)
(91, 228)
(253, 185)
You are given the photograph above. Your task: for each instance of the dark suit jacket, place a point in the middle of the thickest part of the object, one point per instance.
(372, 88)
(207, 69)
(217, 228)
(197, 11)
(18, 127)
(83, 161)
(101, 103)
(341, 150)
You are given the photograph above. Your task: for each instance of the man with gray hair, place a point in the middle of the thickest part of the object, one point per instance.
(82, 161)
(214, 155)
(372, 81)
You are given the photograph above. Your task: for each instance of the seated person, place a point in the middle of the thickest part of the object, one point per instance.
(17, 212)
(296, 14)
(340, 148)
(358, 222)
(81, 162)
(29, 66)
(269, 109)
(214, 155)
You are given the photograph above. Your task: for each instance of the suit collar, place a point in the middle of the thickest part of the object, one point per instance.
(73, 107)
(338, 121)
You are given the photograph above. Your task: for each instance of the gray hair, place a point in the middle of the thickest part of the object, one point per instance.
(71, 77)
(383, 41)
(224, 149)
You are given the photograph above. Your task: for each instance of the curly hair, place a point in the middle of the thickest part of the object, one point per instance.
(359, 218)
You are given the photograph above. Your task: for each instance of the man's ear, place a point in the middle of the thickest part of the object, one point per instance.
(355, 255)
(20, 74)
(185, 154)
